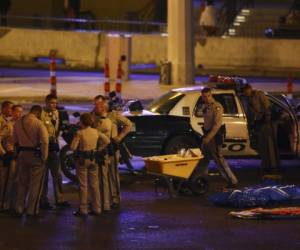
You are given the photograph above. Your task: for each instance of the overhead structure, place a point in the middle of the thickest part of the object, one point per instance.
(180, 41)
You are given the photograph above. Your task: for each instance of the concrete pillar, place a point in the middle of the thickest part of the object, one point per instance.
(180, 41)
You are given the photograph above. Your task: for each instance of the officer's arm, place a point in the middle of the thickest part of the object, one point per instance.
(57, 125)
(15, 136)
(10, 139)
(266, 105)
(44, 140)
(125, 124)
(2, 151)
(217, 123)
(75, 142)
(103, 141)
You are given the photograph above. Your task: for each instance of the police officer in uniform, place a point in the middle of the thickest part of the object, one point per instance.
(86, 142)
(211, 142)
(31, 137)
(121, 126)
(50, 118)
(103, 125)
(260, 120)
(6, 110)
(9, 159)
(115, 102)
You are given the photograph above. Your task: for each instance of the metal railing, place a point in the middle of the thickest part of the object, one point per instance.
(83, 24)
(227, 15)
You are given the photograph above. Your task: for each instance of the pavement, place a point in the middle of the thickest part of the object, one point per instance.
(147, 220)
(31, 85)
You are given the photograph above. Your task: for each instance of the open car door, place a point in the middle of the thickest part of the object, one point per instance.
(295, 128)
(287, 127)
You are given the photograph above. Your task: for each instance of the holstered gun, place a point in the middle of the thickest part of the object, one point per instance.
(8, 157)
(100, 157)
(219, 136)
(112, 148)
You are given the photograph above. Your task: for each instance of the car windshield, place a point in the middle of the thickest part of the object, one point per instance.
(165, 103)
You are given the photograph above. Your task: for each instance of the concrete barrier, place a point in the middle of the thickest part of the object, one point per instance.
(86, 50)
(254, 54)
(79, 49)
(149, 48)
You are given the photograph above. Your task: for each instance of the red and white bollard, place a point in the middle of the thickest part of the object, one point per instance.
(107, 80)
(53, 75)
(119, 79)
(290, 88)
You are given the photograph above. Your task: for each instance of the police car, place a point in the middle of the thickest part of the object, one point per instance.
(174, 121)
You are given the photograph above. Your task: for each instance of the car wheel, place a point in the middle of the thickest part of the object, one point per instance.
(67, 161)
(175, 144)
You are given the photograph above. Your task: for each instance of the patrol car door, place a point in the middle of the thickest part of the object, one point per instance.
(286, 124)
(237, 138)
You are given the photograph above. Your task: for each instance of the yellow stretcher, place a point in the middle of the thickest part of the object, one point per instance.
(179, 168)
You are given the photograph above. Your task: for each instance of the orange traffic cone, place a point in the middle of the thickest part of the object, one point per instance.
(119, 79)
(52, 68)
(290, 88)
(107, 80)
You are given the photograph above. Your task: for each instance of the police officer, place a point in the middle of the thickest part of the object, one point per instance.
(115, 102)
(86, 142)
(103, 125)
(211, 142)
(6, 109)
(9, 159)
(31, 137)
(121, 126)
(50, 118)
(259, 112)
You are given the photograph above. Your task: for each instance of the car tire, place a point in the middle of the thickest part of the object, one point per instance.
(179, 142)
(67, 163)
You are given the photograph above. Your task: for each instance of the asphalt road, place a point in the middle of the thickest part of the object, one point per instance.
(154, 221)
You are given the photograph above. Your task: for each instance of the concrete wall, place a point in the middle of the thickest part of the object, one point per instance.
(255, 54)
(86, 50)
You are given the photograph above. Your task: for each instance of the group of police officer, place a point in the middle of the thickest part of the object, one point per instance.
(98, 157)
(29, 150)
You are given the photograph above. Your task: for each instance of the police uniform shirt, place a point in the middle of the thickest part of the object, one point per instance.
(87, 139)
(35, 130)
(259, 104)
(213, 117)
(3, 134)
(121, 125)
(3, 121)
(51, 121)
(102, 124)
(6, 136)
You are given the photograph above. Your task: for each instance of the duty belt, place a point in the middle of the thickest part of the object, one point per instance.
(28, 149)
(91, 154)
(36, 150)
